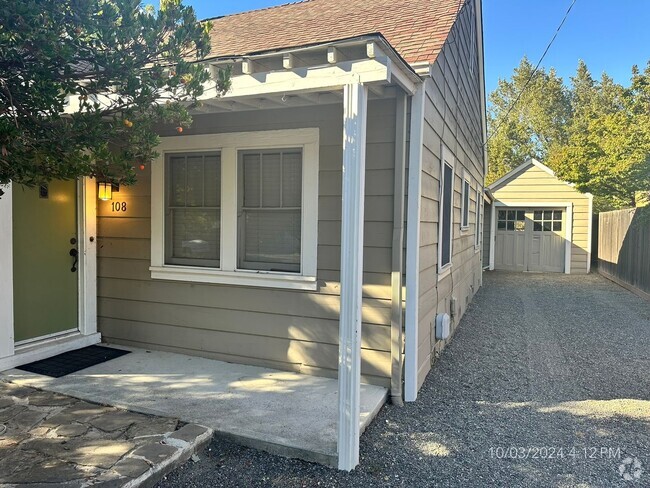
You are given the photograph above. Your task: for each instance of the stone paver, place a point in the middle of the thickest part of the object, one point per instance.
(49, 439)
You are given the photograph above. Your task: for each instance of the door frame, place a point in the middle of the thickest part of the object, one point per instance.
(12, 355)
(568, 233)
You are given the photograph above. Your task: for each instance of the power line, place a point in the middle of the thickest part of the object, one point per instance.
(532, 75)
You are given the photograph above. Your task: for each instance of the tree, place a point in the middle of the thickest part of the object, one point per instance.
(607, 152)
(593, 133)
(526, 116)
(85, 83)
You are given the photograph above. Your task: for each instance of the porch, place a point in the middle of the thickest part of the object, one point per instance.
(285, 413)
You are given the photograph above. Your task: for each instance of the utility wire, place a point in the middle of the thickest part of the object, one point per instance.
(532, 75)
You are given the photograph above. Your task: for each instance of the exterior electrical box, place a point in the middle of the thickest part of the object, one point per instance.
(443, 324)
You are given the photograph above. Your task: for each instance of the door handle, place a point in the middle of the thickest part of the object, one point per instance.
(75, 254)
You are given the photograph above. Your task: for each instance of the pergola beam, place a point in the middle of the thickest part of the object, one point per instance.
(306, 79)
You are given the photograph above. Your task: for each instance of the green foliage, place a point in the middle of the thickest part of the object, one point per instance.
(85, 83)
(536, 122)
(597, 137)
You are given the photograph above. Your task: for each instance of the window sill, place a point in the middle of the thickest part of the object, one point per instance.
(240, 278)
(444, 272)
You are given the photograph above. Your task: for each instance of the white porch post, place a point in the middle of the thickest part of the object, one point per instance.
(6, 275)
(355, 98)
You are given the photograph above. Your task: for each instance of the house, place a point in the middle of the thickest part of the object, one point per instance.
(537, 223)
(315, 218)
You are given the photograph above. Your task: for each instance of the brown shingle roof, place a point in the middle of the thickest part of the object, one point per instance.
(417, 29)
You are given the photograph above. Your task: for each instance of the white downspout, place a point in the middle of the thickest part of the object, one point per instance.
(413, 245)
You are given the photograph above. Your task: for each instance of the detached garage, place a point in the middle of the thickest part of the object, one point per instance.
(538, 223)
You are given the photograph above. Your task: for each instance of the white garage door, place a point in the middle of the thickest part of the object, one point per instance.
(530, 240)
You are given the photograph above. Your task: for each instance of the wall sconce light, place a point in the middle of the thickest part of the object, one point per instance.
(104, 190)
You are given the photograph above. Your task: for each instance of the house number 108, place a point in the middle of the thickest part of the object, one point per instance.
(118, 206)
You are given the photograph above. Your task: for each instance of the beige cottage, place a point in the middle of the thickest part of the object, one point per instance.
(316, 218)
(537, 223)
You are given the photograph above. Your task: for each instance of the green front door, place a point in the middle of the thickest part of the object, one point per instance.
(44, 239)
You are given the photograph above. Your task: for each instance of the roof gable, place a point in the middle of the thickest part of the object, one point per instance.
(417, 29)
(508, 177)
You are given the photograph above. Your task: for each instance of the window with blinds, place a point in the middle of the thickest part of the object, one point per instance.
(193, 209)
(446, 214)
(270, 210)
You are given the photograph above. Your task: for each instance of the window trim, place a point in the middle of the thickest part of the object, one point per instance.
(465, 201)
(228, 145)
(446, 158)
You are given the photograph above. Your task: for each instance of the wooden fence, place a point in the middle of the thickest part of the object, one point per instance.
(624, 248)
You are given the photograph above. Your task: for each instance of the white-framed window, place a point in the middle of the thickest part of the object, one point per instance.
(446, 217)
(193, 209)
(465, 202)
(269, 209)
(239, 208)
(479, 213)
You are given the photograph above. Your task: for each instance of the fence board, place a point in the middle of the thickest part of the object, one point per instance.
(624, 248)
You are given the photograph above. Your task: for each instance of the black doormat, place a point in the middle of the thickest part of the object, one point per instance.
(73, 361)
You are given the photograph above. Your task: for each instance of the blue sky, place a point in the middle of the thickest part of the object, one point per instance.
(609, 35)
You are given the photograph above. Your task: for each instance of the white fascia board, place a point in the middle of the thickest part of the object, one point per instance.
(510, 174)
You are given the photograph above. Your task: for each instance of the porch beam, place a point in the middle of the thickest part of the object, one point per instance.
(288, 61)
(333, 55)
(306, 79)
(355, 102)
(247, 66)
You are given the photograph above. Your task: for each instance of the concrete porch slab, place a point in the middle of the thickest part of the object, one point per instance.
(285, 413)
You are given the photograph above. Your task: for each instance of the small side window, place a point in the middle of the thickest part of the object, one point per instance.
(464, 222)
(445, 229)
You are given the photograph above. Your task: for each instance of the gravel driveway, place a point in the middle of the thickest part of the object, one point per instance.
(546, 383)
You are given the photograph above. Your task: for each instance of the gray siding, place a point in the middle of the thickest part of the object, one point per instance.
(285, 329)
(453, 116)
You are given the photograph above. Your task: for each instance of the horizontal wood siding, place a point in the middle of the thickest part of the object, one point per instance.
(453, 117)
(536, 185)
(624, 248)
(285, 329)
